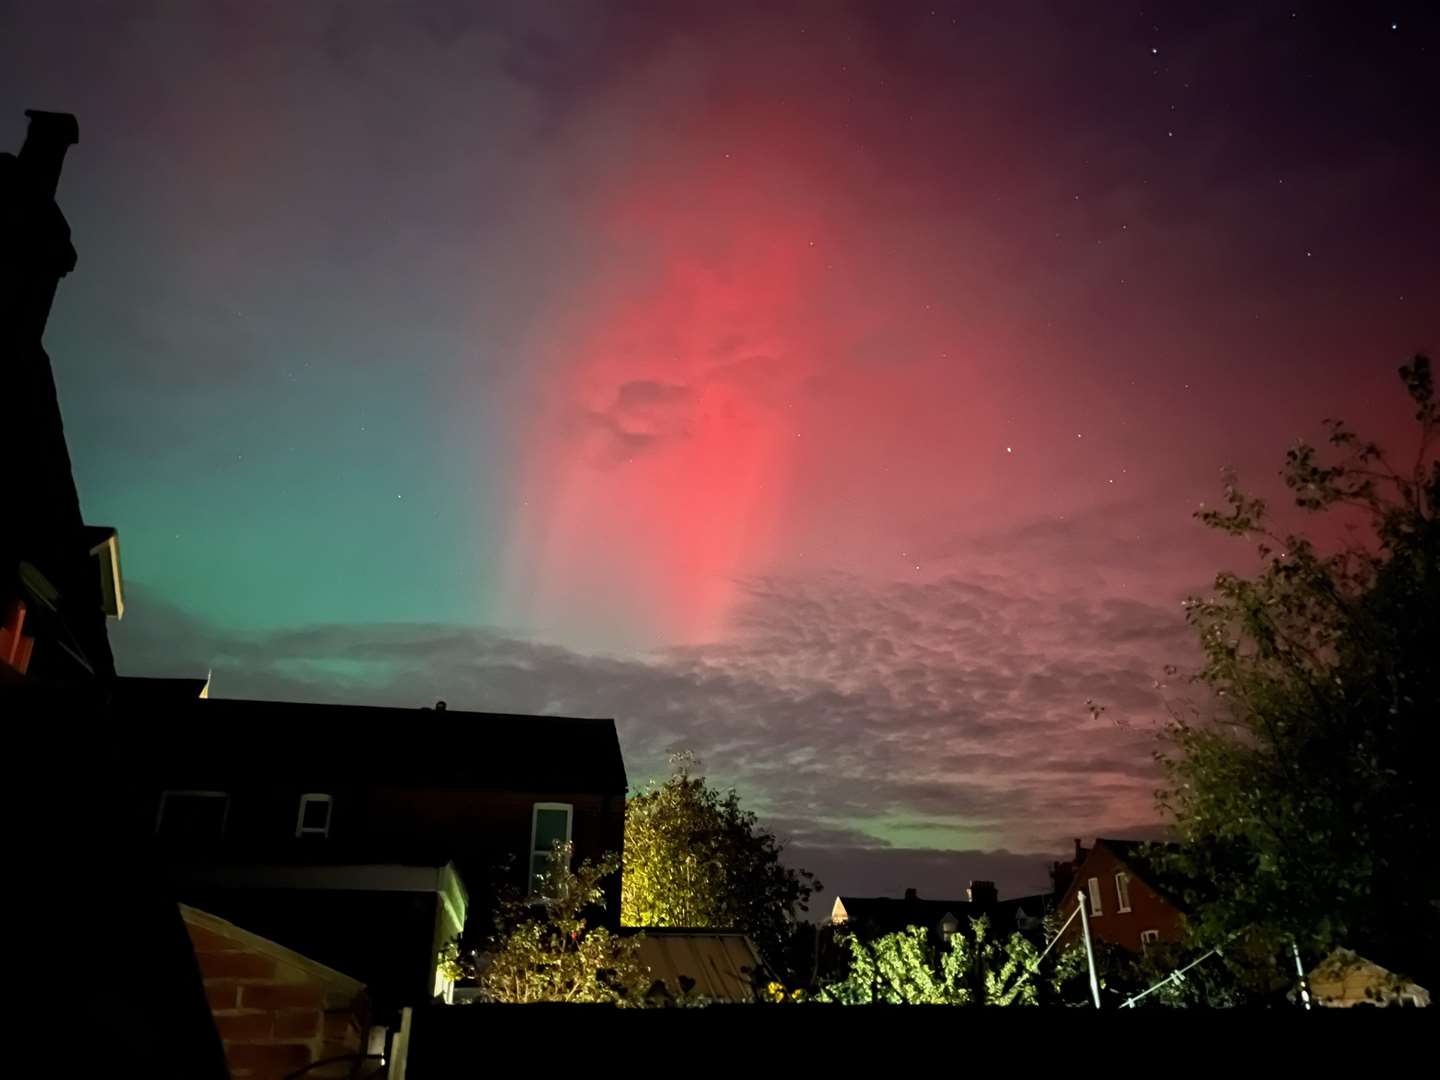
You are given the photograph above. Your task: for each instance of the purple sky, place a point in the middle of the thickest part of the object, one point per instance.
(825, 389)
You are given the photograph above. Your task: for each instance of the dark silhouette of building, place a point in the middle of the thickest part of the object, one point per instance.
(59, 579)
(365, 838)
(873, 916)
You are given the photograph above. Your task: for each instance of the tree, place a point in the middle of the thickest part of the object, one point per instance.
(695, 858)
(970, 968)
(1303, 796)
(548, 951)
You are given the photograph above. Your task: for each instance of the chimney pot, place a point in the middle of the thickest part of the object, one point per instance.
(911, 894)
(50, 134)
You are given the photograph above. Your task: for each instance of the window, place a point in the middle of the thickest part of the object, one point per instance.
(1148, 938)
(1122, 892)
(549, 825)
(314, 816)
(192, 815)
(1095, 896)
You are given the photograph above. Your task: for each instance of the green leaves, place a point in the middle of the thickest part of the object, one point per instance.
(695, 858)
(550, 952)
(1301, 797)
(970, 968)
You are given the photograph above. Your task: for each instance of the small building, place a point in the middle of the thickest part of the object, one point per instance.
(709, 965)
(1345, 979)
(1128, 901)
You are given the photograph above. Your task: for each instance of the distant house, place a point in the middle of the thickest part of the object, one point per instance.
(1128, 904)
(365, 837)
(873, 916)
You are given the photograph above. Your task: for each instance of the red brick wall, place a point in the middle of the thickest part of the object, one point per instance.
(274, 1016)
(1148, 909)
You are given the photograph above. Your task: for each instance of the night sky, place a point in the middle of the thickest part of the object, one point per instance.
(824, 389)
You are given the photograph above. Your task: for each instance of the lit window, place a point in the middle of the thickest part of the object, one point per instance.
(1122, 892)
(549, 825)
(314, 816)
(1095, 896)
(192, 815)
(1148, 938)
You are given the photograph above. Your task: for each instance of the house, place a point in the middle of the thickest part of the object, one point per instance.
(877, 915)
(60, 582)
(364, 837)
(1128, 902)
(279, 1012)
(59, 578)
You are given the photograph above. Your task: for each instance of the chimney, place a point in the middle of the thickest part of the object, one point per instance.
(982, 893)
(911, 894)
(43, 155)
(1079, 851)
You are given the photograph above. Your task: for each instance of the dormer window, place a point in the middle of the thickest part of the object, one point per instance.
(104, 545)
(314, 816)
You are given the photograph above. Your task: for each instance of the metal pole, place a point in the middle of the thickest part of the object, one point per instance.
(1089, 951)
(1300, 971)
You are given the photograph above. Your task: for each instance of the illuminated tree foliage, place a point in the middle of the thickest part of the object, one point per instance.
(695, 858)
(551, 953)
(971, 968)
(1305, 799)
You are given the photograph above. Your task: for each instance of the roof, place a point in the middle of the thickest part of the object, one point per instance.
(129, 690)
(335, 982)
(175, 737)
(1347, 978)
(1139, 856)
(715, 964)
(888, 914)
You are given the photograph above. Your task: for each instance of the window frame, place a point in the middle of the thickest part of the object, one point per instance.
(192, 793)
(323, 798)
(1092, 885)
(535, 809)
(1122, 892)
(1148, 938)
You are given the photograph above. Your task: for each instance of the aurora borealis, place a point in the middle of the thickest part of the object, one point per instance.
(825, 389)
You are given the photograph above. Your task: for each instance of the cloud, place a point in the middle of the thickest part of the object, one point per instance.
(883, 721)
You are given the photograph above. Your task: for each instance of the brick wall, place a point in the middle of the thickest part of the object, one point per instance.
(1148, 909)
(277, 1011)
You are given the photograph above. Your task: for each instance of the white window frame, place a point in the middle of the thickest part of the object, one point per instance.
(305, 800)
(1148, 938)
(535, 809)
(1122, 892)
(187, 793)
(1093, 884)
